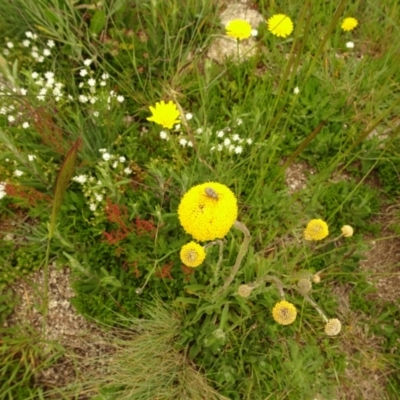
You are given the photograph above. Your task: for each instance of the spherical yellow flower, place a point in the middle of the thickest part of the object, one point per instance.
(316, 229)
(333, 327)
(244, 290)
(284, 313)
(166, 115)
(238, 29)
(316, 278)
(192, 254)
(280, 25)
(349, 24)
(347, 231)
(208, 211)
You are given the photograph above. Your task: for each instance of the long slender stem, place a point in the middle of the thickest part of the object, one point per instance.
(46, 282)
(243, 250)
(313, 303)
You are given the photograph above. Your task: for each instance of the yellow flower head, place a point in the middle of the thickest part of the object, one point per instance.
(349, 24)
(333, 327)
(238, 29)
(280, 25)
(284, 313)
(166, 115)
(208, 211)
(192, 254)
(347, 231)
(316, 230)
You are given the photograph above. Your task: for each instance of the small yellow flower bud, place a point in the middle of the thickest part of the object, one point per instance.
(244, 290)
(333, 327)
(347, 231)
(316, 278)
(304, 284)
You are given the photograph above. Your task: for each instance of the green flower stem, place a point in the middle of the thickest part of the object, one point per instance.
(278, 283)
(221, 250)
(243, 250)
(313, 303)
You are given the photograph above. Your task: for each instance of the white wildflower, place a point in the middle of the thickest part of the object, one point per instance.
(183, 142)
(249, 141)
(227, 142)
(103, 83)
(11, 118)
(91, 82)
(105, 76)
(23, 91)
(220, 134)
(26, 43)
(190, 143)
(177, 127)
(17, 172)
(122, 159)
(235, 137)
(40, 59)
(10, 45)
(189, 116)
(238, 149)
(199, 130)
(115, 164)
(80, 179)
(83, 72)
(164, 135)
(98, 197)
(239, 121)
(83, 99)
(102, 150)
(106, 156)
(50, 43)
(254, 32)
(35, 75)
(120, 98)
(92, 207)
(219, 147)
(96, 114)
(350, 45)
(31, 157)
(29, 34)
(35, 54)
(46, 52)
(296, 90)
(87, 62)
(25, 125)
(127, 171)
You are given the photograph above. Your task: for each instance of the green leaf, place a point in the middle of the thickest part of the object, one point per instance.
(97, 22)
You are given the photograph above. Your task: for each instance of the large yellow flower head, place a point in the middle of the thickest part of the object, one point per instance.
(349, 24)
(316, 229)
(166, 115)
(238, 29)
(280, 25)
(284, 313)
(208, 211)
(192, 254)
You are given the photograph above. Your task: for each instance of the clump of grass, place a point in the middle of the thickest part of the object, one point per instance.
(144, 362)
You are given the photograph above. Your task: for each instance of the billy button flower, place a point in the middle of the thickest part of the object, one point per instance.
(280, 25)
(238, 29)
(166, 115)
(333, 327)
(208, 211)
(284, 313)
(316, 229)
(192, 254)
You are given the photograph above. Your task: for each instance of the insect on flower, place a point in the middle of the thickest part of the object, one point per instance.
(210, 192)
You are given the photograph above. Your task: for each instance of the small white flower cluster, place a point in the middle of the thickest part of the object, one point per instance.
(11, 110)
(2, 189)
(95, 189)
(48, 85)
(92, 190)
(232, 143)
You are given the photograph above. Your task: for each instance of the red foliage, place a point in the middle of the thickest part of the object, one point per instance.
(117, 214)
(31, 195)
(165, 271)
